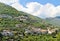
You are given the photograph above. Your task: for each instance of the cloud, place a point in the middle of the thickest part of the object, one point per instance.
(35, 8)
(43, 11)
(9, 1)
(18, 6)
(48, 10)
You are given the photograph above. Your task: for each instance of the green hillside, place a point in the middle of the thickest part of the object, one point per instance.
(8, 15)
(21, 26)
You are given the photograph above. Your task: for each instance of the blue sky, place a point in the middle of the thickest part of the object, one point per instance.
(54, 2)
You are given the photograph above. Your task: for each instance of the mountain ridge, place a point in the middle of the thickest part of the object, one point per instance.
(54, 21)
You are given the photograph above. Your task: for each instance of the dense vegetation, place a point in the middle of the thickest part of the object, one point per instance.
(13, 24)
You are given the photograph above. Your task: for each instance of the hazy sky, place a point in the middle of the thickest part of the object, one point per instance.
(40, 8)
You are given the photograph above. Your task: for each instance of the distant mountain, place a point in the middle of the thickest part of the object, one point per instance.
(57, 17)
(55, 21)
